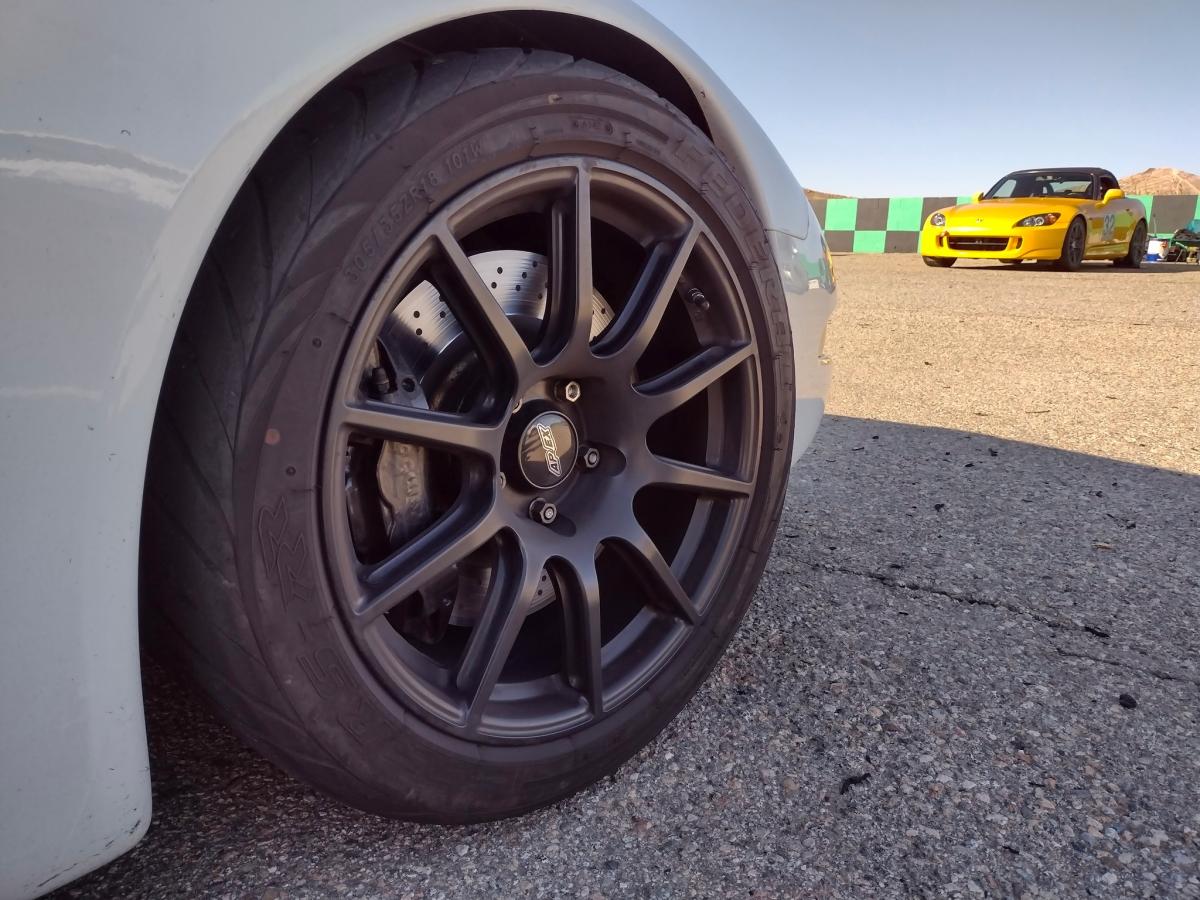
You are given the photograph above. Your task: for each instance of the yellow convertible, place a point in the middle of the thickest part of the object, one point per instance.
(1060, 216)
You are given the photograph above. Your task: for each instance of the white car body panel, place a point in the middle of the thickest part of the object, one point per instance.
(126, 128)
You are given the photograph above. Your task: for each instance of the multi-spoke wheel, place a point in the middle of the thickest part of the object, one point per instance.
(1074, 247)
(532, 590)
(500, 444)
(1136, 252)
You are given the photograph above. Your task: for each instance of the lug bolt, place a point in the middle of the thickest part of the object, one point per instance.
(569, 391)
(380, 382)
(591, 458)
(543, 511)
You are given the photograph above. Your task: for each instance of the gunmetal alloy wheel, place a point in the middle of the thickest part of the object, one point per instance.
(475, 438)
(479, 615)
(1136, 253)
(1073, 246)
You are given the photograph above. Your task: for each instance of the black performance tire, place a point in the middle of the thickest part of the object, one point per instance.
(1074, 247)
(1137, 249)
(1012, 262)
(939, 262)
(238, 587)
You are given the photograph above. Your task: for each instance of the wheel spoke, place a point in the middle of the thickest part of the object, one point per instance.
(445, 619)
(630, 334)
(678, 385)
(476, 308)
(570, 289)
(508, 601)
(661, 581)
(448, 431)
(672, 473)
(581, 614)
(424, 559)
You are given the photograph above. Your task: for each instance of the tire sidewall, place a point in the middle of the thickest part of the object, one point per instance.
(285, 587)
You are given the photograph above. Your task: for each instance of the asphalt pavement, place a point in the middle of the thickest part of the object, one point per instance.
(971, 669)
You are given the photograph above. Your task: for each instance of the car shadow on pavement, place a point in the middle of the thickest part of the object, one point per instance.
(971, 669)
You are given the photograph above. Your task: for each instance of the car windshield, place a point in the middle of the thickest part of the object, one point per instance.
(1042, 184)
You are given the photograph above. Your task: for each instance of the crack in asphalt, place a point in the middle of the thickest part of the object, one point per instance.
(1050, 622)
(956, 596)
(1119, 664)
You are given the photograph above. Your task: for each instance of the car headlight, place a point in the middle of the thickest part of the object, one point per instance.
(1039, 219)
(938, 219)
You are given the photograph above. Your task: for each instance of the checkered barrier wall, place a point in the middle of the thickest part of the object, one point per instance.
(892, 224)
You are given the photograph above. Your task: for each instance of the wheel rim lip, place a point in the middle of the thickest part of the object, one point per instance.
(383, 296)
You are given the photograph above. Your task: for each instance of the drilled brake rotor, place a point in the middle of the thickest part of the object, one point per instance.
(429, 354)
(422, 327)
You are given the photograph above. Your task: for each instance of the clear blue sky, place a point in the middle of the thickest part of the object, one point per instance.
(878, 98)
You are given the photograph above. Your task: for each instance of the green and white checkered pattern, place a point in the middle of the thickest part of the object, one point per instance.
(892, 224)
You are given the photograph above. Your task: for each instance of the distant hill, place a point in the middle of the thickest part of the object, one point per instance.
(1162, 181)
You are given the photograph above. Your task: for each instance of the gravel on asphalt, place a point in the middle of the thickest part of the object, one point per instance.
(971, 669)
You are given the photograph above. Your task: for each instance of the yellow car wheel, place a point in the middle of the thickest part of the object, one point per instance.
(1073, 247)
(939, 262)
(1137, 249)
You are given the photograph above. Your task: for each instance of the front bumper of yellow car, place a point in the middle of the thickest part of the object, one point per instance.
(1043, 242)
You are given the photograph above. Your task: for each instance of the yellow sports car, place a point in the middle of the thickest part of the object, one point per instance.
(1062, 216)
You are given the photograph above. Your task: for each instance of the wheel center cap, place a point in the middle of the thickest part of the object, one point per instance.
(548, 450)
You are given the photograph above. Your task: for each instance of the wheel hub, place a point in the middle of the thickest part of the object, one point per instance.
(547, 450)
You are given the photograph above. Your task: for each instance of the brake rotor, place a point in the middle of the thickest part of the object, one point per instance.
(421, 327)
(430, 355)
